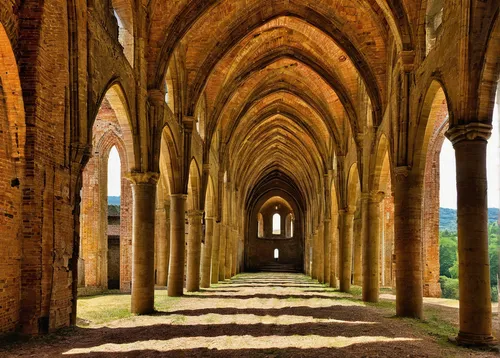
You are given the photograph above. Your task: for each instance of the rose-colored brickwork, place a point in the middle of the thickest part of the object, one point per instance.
(430, 210)
(107, 134)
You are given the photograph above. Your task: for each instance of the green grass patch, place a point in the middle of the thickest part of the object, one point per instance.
(103, 308)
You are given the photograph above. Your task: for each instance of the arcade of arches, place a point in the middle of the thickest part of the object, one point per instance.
(258, 135)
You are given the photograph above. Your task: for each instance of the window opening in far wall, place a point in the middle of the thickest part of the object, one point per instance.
(276, 224)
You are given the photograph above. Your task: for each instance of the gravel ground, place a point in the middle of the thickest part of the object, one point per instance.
(253, 315)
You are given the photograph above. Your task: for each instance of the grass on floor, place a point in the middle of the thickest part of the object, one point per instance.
(109, 307)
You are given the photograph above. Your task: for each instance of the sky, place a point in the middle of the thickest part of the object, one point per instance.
(114, 171)
(448, 190)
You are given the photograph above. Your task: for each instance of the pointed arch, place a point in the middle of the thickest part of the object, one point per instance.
(381, 172)
(353, 185)
(125, 16)
(118, 101)
(210, 202)
(194, 186)
(434, 113)
(490, 75)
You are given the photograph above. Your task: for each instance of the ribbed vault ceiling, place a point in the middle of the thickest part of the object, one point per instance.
(282, 81)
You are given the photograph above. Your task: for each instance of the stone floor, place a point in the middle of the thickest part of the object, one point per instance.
(253, 315)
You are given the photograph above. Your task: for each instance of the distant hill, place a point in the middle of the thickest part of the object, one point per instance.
(113, 200)
(448, 218)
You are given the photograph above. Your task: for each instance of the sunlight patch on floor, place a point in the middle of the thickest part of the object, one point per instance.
(237, 342)
(240, 319)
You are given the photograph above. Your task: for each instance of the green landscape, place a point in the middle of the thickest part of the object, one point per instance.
(448, 255)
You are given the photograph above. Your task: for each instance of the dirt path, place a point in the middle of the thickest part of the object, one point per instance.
(253, 315)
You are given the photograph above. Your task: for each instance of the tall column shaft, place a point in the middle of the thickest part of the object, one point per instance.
(206, 257)
(163, 251)
(222, 252)
(229, 256)
(334, 252)
(371, 250)
(321, 254)
(306, 256)
(194, 251)
(346, 250)
(236, 243)
(470, 143)
(408, 243)
(143, 233)
(177, 244)
(327, 241)
(215, 252)
(315, 255)
(357, 269)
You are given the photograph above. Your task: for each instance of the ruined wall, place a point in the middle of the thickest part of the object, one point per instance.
(10, 221)
(107, 133)
(260, 251)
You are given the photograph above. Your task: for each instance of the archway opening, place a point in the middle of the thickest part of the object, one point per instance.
(276, 224)
(433, 23)
(106, 202)
(123, 13)
(114, 193)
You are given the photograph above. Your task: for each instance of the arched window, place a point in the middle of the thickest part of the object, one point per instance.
(289, 226)
(276, 224)
(260, 226)
(276, 254)
(122, 12)
(433, 22)
(169, 91)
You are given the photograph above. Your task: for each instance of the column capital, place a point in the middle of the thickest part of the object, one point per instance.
(402, 172)
(348, 210)
(143, 178)
(188, 123)
(407, 60)
(156, 97)
(195, 213)
(470, 131)
(376, 196)
(180, 195)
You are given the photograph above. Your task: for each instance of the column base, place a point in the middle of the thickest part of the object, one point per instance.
(475, 340)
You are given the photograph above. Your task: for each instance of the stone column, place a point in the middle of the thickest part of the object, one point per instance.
(371, 249)
(163, 248)
(194, 251)
(228, 255)
(334, 253)
(470, 142)
(206, 250)
(408, 242)
(315, 256)
(346, 249)
(327, 241)
(215, 253)
(306, 255)
(321, 254)
(222, 252)
(177, 244)
(143, 244)
(358, 237)
(236, 243)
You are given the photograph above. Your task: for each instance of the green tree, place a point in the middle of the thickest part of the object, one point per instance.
(447, 254)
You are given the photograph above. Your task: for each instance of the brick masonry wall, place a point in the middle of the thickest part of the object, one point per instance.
(430, 213)
(10, 219)
(106, 134)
